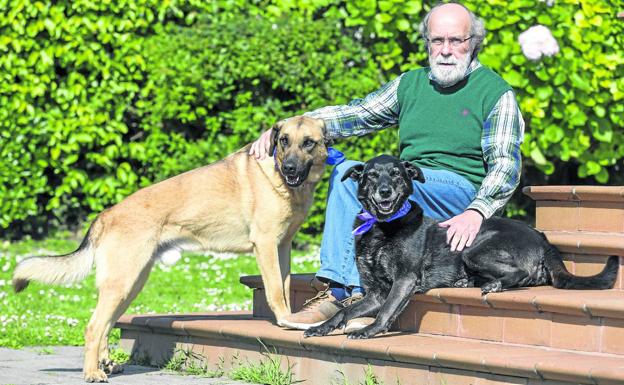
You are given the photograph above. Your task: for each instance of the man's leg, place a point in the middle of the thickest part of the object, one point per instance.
(443, 195)
(338, 268)
(337, 244)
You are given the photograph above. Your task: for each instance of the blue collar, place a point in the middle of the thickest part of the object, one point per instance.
(370, 220)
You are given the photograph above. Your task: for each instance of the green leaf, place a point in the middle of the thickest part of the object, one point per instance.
(493, 24)
(515, 79)
(593, 168)
(538, 157)
(403, 25)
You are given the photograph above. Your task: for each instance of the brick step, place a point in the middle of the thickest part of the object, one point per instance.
(587, 242)
(582, 320)
(423, 359)
(578, 208)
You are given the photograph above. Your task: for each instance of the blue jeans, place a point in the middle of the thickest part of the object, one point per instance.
(443, 195)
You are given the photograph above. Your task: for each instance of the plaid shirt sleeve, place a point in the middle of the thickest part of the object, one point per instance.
(378, 110)
(502, 135)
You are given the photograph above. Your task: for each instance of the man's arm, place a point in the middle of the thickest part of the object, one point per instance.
(378, 110)
(502, 135)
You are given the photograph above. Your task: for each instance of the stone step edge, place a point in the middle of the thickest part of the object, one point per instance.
(403, 348)
(575, 193)
(586, 242)
(593, 303)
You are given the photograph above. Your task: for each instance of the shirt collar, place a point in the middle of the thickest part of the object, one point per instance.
(474, 64)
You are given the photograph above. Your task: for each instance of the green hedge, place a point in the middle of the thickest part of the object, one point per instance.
(68, 72)
(99, 99)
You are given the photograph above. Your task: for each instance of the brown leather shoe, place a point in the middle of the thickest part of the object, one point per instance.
(315, 311)
(356, 324)
(359, 322)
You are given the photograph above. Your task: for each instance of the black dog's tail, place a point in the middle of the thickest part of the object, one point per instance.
(562, 279)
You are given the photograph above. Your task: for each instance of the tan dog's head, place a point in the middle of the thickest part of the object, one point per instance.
(300, 149)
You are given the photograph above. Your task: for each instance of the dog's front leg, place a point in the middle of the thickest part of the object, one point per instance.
(365, 307)
(284, 263)
(268, 261)
(396, 302)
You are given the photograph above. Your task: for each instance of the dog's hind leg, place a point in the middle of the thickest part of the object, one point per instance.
(116, 292)
(505, 282)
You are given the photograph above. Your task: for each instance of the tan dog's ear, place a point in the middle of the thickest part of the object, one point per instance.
(328, 142)
(274, 134)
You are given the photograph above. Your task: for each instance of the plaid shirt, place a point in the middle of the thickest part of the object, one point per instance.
(502, 134)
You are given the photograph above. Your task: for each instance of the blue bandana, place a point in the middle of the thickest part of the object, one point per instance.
(370, 220)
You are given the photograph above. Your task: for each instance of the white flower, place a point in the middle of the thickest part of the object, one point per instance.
(549, 3)
(537, 41)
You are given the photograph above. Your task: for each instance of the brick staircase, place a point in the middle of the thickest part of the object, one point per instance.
(447, 336)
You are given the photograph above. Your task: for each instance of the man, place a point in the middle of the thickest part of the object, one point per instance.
(458, 121)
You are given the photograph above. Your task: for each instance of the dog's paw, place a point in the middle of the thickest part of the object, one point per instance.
(317, 331)
(492, 287)
(367, 332)
(96, 376)
(111, 367)
(461, 283)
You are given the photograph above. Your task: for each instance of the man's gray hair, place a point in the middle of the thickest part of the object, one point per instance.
(477, 28)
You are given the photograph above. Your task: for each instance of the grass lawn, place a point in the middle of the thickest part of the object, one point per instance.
(45, 315)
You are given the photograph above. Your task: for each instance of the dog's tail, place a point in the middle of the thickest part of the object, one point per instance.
(562, 279)
(57, 270)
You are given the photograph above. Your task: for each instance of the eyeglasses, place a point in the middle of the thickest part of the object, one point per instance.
(453, 41)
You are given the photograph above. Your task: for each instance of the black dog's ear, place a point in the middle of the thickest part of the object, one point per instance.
(414, 172)
(274, 134)
(354, 173)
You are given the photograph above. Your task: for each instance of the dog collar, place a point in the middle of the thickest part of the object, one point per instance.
(369, 219)
(334, 157)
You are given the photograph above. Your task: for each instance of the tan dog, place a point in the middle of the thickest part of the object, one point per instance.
(235, 205)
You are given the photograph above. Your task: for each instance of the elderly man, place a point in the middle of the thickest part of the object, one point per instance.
(458, 121)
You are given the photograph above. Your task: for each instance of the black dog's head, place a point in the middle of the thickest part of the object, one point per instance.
(384, 184)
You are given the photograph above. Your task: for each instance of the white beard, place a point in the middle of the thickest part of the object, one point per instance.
(447, 76)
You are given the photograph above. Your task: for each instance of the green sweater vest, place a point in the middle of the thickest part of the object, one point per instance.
(440, 128)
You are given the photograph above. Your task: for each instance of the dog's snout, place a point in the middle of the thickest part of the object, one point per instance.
(289, 167)
(385, 191)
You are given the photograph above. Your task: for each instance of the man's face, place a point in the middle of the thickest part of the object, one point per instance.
(449, 44)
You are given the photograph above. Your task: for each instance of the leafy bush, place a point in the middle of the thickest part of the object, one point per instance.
(69, 71)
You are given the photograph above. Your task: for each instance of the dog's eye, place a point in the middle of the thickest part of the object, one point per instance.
(394, 173)
(373, 174)
(308, 143)
(284, 141)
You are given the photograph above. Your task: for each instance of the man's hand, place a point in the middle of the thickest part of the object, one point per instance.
(462, 229)
(260, 148)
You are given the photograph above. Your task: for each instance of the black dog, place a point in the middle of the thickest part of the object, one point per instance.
(399, 257)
